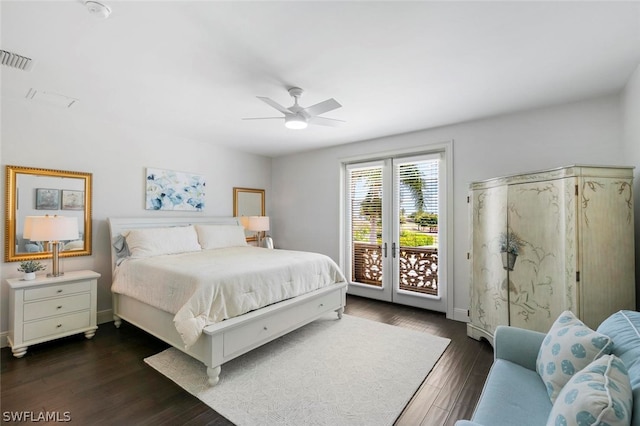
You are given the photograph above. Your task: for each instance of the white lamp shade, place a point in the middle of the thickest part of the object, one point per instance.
(258, 223)
(28, 225)
(244, 221)
(53, 228)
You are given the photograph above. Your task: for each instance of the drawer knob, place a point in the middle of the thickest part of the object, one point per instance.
(265, 328)
(59, 325)
(60, 290)
(59, 307)
(321, 305)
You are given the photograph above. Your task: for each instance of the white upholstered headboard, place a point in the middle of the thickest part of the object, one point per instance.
(118, 225)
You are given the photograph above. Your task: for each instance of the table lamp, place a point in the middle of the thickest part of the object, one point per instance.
(258, 224)
(244, 221)
(54, 230)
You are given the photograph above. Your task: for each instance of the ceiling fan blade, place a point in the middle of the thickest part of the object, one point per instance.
(323, 121)
(322, 107)
(263, 118)
(274, 104)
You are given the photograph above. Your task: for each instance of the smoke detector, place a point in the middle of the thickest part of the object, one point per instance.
(98, 9)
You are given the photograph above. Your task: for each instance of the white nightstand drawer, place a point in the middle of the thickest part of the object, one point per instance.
(57, 306)
(56, 290)
(58, 325)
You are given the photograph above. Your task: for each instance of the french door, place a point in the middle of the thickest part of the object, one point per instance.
(392, 230)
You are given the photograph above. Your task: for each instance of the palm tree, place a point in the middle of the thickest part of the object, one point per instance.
(412, 179)
(371, 205)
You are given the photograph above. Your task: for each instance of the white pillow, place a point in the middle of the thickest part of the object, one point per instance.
(221, 236)
(568, 348)
(149, 242)
(74, 245)
(600, 394)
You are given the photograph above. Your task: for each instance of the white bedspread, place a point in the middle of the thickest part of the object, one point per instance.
(205, 287)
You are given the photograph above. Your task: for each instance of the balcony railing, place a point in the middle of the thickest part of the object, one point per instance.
(418, 267)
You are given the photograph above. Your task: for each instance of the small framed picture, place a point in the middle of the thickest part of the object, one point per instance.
(72, 200)
(47, 199)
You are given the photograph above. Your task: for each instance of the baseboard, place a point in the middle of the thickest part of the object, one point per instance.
(461, 315)
(105, 316)
(102, 317)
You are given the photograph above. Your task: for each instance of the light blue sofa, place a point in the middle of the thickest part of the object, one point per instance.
(514, 393)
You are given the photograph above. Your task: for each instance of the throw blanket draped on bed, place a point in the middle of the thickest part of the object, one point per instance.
(209, 286)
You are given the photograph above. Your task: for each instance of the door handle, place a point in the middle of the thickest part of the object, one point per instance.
(384, 249)
(393, 250)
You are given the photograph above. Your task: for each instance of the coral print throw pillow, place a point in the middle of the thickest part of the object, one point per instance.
(568, 348)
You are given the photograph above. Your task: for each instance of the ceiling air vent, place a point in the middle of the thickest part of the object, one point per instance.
(14, 60)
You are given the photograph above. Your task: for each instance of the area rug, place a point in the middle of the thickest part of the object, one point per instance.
(351, 371)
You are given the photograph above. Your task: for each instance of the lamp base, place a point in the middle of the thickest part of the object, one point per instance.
(55, 260)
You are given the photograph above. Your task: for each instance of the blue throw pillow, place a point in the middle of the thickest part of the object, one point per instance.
(600, 394)
(568, 348)
(624, 329)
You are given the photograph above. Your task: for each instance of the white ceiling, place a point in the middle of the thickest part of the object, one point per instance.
(194, 69)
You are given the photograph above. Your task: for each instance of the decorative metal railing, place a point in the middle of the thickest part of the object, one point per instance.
(418, 267)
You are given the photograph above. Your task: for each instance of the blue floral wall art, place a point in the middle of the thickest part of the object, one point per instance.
(171, 190)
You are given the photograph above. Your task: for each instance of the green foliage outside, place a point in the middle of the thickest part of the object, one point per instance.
(415, 239)
(425, 219)
(361, 235)
(407, 238)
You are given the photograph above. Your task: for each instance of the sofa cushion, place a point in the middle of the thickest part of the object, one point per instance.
(504, 400)
(599, 394)
(624, 329)
(568, 348)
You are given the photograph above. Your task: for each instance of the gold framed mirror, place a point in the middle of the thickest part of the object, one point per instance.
(39, 192)
(248, 202)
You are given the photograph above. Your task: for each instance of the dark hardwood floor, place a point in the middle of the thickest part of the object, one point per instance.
(105, 381)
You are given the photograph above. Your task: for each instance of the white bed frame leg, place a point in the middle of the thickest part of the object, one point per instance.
(214, 375)
(340, 311)
(117, 321)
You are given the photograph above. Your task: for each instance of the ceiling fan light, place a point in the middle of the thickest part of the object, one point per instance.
(295, 122)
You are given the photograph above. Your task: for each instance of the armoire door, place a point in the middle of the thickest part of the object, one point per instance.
(541, 227)
(606, 247)
(489, 304)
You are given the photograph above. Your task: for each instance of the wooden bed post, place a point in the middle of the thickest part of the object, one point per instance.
(214, 375)
(117, 321)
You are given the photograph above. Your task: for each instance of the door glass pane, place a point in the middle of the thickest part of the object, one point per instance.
(417, 200)
(365, 217)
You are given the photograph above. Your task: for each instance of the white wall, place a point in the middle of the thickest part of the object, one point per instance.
(117, 155)
(306, 186)
(631, 149)
(303, 189)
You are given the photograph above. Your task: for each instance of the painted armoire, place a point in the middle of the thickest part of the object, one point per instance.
(549, 241)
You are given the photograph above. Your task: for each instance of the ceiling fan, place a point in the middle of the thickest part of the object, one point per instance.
(297, 117)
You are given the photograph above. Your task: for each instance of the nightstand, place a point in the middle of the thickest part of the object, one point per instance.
(48, 308)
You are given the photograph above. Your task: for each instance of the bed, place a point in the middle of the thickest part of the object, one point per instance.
(225, 332)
